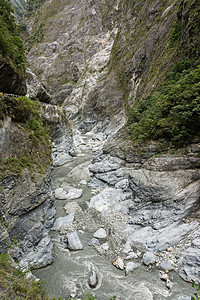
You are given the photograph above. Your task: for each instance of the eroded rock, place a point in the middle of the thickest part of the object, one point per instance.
(63, 221)
(93, 279)
(118, 263)
(100, 234)
(130, 267)
(73, 241)
(149, 258)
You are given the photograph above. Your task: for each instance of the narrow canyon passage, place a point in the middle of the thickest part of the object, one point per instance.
(70, 272)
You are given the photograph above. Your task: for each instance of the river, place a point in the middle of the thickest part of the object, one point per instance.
(69, 274)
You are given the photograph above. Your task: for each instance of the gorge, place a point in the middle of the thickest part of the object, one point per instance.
(115, 212)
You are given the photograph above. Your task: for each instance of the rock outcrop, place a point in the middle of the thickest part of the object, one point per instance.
(97, 57)
(10, 80)
(27, 201)
(160, 194)
(35, 89)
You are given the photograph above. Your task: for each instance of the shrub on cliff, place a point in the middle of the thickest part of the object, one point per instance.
(11, 46)
(32, 147)
(15, 285)
(173, 111)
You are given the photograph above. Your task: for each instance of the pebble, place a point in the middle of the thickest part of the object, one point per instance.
(93, 242)
(149, 258)
(169, 284)
(84, 182)
(130, 267)
(100, 234)
(170, 249)
(164, 277)
(166, 266)
(118, 263)
(131, 255)
(105, 246)
(93, 279)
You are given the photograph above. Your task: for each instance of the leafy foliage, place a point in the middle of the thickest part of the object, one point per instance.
(15, 285)
(11, 46)
(35, 37)
(197, 293)
(24, 110)
(173, 111)
(34, 152)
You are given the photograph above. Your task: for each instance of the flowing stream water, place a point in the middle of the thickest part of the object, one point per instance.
(70, 271)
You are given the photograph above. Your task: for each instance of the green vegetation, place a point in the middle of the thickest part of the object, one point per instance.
(27, 112)
(11, 46)
(35, 37)
(197, 293)
(30, 145)
(173, 111)
(15, 285)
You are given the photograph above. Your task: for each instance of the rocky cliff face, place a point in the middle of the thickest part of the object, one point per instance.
(159, 193)
(27, 201)
(97, 58)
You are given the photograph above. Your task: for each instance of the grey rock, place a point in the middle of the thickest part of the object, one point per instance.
(61, 159)
(166, 266)
(107, 165)
(149, 258)
(104, 247)
(35, 89)
(112, 177)
(93, 242)
(160, 240)
(123, 185)
(84, 182)
(100, 234)
(189, 263)
(138, 246)
(74, 193)
(63, 221)
(73, 241)
(130, 267)
(131, 255)
(39, 256)
(71, 194)
(32, 214)
(60, 194)
(107, 200)
(97, 183)
(169, 284)
(93, 279)
(99, 136)
(81, 173)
